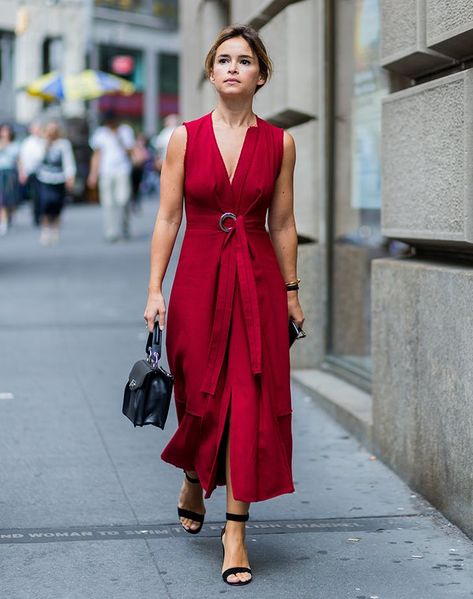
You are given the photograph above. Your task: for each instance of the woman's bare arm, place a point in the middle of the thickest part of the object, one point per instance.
(167, 225)
(94, 169)
(282, 227)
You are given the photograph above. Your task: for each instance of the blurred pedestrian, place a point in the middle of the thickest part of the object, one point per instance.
(110, 167)
(161, 141)
(9, 188)
(140, 156)
(56, 174)
(31, 154)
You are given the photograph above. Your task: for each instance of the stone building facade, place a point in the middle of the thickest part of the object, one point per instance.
(378, 96)
(422, 316)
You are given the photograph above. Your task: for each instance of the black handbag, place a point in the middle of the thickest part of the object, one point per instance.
(149, 388)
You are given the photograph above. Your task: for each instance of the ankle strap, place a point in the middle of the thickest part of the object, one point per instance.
(190, 479)
(237, 517)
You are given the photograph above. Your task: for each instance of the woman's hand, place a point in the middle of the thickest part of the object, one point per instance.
(155, 308)
(22, 176)
(294, 308)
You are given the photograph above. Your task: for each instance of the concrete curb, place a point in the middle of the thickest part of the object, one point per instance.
(348, 405)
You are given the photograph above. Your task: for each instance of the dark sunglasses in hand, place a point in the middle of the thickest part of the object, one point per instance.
(295, 332)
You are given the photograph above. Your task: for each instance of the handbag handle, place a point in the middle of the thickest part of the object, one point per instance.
(154, 344)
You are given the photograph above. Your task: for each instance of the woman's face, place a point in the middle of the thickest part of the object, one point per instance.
(51, 131)
(236, 69)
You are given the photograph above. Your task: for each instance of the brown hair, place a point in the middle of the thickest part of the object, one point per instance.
(251, 36)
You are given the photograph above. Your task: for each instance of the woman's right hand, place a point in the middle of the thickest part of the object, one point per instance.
(155, 309)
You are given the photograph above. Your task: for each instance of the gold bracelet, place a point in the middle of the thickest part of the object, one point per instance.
(296, 282)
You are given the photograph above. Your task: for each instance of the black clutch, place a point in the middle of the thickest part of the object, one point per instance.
(149, 388)
(295, 332)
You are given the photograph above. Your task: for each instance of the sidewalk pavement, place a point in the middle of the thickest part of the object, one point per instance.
(88, 509)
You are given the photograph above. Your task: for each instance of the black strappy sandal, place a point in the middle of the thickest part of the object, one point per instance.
(229, 571)
(183, 513)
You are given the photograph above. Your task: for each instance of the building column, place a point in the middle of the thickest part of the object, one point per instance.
(74, 63)
(27, 68)
(93, 112)
(213, 19)
(151, 93)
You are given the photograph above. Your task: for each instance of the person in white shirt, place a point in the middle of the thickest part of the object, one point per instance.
(161, 141)
(56, 174)
(110, 167)
(31, 154)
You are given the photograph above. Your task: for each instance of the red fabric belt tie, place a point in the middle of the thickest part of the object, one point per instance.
(235, 262)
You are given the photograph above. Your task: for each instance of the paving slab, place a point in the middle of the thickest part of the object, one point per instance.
(119, 570)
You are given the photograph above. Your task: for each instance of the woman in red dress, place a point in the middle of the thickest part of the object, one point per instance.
(227, 323)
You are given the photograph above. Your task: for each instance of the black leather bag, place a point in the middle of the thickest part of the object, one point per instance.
(149, 388)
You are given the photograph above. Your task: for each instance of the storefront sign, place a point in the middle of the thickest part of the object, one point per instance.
(123, 65)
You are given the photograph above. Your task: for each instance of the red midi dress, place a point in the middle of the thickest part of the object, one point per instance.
(227, 325)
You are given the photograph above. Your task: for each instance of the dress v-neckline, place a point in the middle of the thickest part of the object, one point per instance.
(242, 149)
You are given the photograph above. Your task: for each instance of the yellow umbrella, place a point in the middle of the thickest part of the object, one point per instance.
(87, 85)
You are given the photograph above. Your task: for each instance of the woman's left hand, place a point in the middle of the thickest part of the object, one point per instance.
(294, 308)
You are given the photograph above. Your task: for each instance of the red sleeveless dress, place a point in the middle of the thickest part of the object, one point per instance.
(227, 324)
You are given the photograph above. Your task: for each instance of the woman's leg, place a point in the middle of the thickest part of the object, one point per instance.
(56, 210)
(3, 220)
(44, 237)
(234, 537)
(190, 498)
(107, 201)
(44, 216)
(54, 223)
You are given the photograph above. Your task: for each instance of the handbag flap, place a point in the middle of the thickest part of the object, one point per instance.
(138, 374)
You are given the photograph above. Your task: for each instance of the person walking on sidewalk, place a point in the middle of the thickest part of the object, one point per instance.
(161, 141)
(111, 167)
(31, 154)
(140, 157)
(9, 189)
(234, 289)
(56, 174)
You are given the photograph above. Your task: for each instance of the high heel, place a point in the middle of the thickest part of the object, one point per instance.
(236, 570)
(183, 513)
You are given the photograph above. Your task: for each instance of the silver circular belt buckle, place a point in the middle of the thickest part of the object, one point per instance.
(223, 218)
